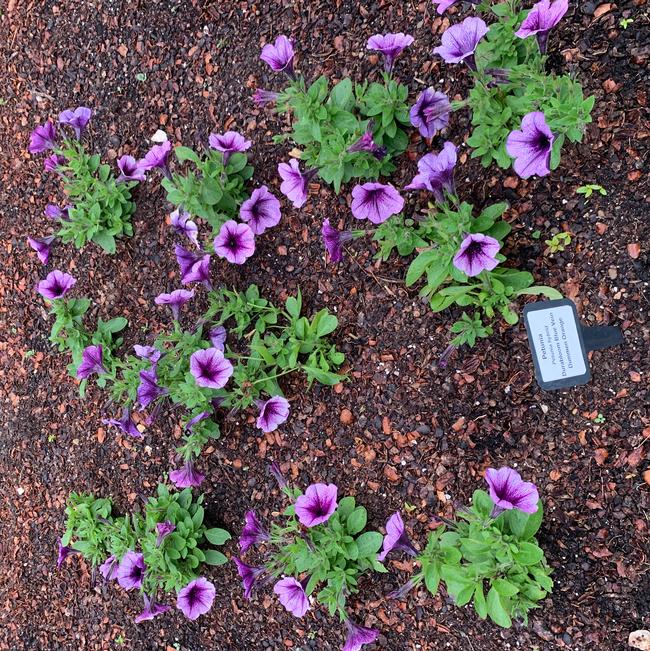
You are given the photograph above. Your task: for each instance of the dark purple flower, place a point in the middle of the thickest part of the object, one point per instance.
(56, 285)
(276, 471)
(91, 362)
(217, 336)
(130, 573)
(400, 593)
(125, 423)
(183, 225)
(108, 569)
(42, 138)
(499, 76)
(396, 538)
(459, 41)
(64, 552)
(197, 419)
(376, 202)
(52, 211)
(509, 491)
(196, 598)
(292, 596)
(334, 240)
(532, 146)
(210, 368)
(261, 211)
(443, 360)
(367, 143)
(295, 184)
(248, 574)
(358, 636)
(390, 45)
(42, 246)
(199, 272)
(235, 242)
(130, 170)
(443, 5)
(541, 19)
(151, 610)
(263, 97)
(147, 352)
(186, 259)
(163, 530)
(175, 300)
(279, 55)
(253, 532)
(317, 504)
(430, 113)
(477, 253)
(148, 389)
(187, 476)
(157, 157)
(228, 143)
(273, 413)
(53, 162)
(436, 173)
(76, 118)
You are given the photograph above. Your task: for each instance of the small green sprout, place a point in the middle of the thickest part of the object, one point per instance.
(51, 438)
(590, 188)
(141, 76)
(119, 640)
(625, 22)
(536, 234)
(558, 242)
(409, 508)
(599, 419)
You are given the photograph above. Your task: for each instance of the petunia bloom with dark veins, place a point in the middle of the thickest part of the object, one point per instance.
(76, 118)
(273, 413)
(148, 389)
(436, 173)
(317, 504)
(376, 202)
(187, 476)
(358, 636)
(334, 240)
(53, 162)
(125, 424)
(199, 272)
(131, 570)
(531, 147)
(253, 532)
(163, 529)
(108, 569)
(130, 170)
(52, 211)
(292, 596)
(279, 56)
(175, 300)
(261, 210)
(509, 491)
(263, 97)
(390, 45)
(183, 225)
(42, 246)
(541, 19)
(56, 285)
(196, 598)
(151, 610)
(63, 553)
(248, 574)
(367, 143)
(228, 143)
(42, 138)
(477, 253)
(459, 41)
(430, 113)
(396, 538)
(91, 362)
(157, 157)
(210, 368)
(148, 352)
(295, 184)
(217, 336)
(235, 242)
(186, 259)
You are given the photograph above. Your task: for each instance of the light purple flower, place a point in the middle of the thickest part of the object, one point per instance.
(263, 97)
(108, 569)
(295, 184)
(334, 240)
(183, 225)
(253, 532)
(186, 476)
(148, 389)
(91, 362)
(317, 504)
(186, 259)
(147, 352)
(163, 530)
(125, 423)
(248, 574)
(396, 538)
(376, 202)
(56, 285)
(390, 45)
(436, 173)
(273, 413)
(292, 596)
(532, 146)
(130, 573)
(197, 419)
(151, 610)
(199, 272)
(210, 368)
(175, 300)
(279, 55)
(76, 118)
(261, 211)
(358, 636)
(228, 143)
(276, 471)
(157, 157)
(443, 5)
(42, 246)
(42, 138)
(52, 211)
(53, 162)
(130, 169)
(235, 242)
(63, 552)
(430, 113)
(367, 143)
(477, 253)
(541, 19)
(196, 598)
(459, 41)
(509, 491)
(217, 336)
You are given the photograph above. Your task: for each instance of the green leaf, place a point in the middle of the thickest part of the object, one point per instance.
(211, 191)
(496, 611)
(217, 536)
(479, 601)
(524, 525)
(539, 290)
(505, 588)
(432, 577)
(185, 153)
(356, 521)
(369, 543)
(342, 95)
(214, 557)
(327, 324)
(420, 265)
(105, 240)
(482, 503)
(528, 554)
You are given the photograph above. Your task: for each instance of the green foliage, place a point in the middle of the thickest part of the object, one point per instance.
(558, 242)
(590, 188)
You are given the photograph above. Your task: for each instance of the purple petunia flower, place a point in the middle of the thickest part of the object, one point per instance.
(199, 272)
(358, 636)
(63, 552)
(175, 300)
(477, 253)
(187, 476)
(91, 362)
(42, 138)
(76, 118)
(279, 55)
(459, 41)
(130, 170)
(376, 202)
(532, 146)
(396, 538)
(436, 173)
(183, 225)
(217, 336)
(197, 419)
(151, 610)
(263, 97)
(148, 389)
(295, 184)
(52, 211)
(196, 598)
(210, 368)
(148, 352)
(56, 285)
(390, 45)
(317, 504)
(334, 240)
(42, 246)
(443, 5)
(430, 113)
(276, 471)
(157, 157)
(401, 592)
(125, 423)
(261, 211)
(228, 143)
(235, 242)
(541, 19)
(248, 574)
(53, 162)
(130, 572)
(186, 259)
(273, 413)
(108, 569)
(509, 491)
(366, 143)
(253, 532)
(292, 596)
(163, 530)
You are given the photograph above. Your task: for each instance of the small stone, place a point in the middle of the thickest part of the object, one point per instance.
(639, 640)
(346, 416)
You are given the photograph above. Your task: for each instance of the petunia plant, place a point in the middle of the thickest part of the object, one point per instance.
(489, 556)
(100, 203)
(316, 555)
(158, 550)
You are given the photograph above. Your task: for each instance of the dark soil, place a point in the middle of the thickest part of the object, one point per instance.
(418, 433)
